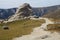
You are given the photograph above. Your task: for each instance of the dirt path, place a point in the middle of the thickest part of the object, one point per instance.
(40, 34)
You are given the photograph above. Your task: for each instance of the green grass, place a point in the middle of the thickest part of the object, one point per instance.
(19, 28)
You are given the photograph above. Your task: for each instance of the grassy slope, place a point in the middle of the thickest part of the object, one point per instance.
(54, 15)
(19, 28)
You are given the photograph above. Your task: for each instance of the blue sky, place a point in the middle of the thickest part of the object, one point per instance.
(33, 3)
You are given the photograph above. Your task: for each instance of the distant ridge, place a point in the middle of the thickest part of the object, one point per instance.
(6, 13)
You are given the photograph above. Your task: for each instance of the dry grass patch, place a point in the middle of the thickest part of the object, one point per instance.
(19, 28)
(53, 27)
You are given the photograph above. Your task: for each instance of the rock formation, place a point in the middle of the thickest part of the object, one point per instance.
(24, 10)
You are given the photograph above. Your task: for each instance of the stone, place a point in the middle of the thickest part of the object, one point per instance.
(45, 36)
(5, 27)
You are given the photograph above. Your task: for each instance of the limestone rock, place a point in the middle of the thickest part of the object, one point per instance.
(24, 10)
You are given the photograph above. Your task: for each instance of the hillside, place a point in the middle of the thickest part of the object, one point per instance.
(54, 15)
(44, 10)
(5, 13)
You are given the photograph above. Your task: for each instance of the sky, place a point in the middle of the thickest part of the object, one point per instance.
(33, 3)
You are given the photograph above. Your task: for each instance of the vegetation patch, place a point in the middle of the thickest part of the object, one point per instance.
(53, 27)
(19, 28)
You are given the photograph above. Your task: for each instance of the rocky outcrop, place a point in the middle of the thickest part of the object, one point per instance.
(24, 10)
